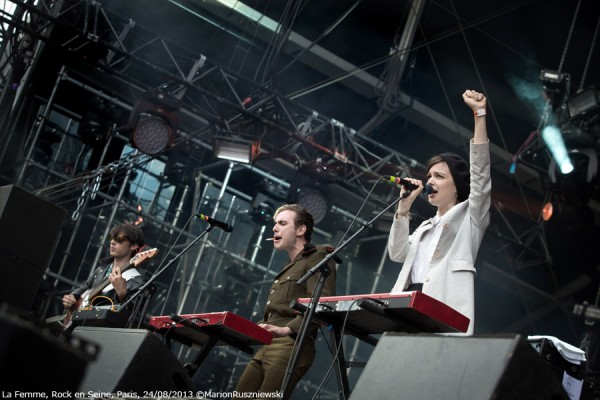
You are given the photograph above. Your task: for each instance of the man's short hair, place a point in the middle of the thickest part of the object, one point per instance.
(303, 217)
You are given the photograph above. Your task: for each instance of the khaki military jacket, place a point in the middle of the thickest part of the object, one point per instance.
(284, 288)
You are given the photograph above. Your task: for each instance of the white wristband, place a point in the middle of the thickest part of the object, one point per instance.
(480, 112)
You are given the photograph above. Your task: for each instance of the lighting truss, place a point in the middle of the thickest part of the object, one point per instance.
(357, 157)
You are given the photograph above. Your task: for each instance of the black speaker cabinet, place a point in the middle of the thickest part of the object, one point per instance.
(131, 360)
(33, 360)
(29, 231)
(422, 367)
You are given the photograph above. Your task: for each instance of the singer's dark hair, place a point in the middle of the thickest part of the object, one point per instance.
(303, 217)
(459, 169)
(133, 233)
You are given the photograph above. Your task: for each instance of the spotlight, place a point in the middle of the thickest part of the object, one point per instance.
(553, 81)
(239, 150)
(560, 212)
(315, 201)
(583, 103)
(151, 134)
(311, 189)
(577, 187)
(154, 121)
(555, 143)
(262, 212)
(556, 85)
(547, 211)
(94, 126)
(585, 159)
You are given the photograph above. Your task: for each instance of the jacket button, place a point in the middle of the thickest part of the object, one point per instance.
(272, 291)
(269, 302)
(436, 254)
(276, 281)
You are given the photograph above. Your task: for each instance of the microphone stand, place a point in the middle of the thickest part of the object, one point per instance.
(157, 273)
(316, 295)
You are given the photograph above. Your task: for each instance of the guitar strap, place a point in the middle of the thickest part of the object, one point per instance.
(108, 271)
(127, 275)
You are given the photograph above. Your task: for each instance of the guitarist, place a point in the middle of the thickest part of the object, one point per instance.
(125, 241)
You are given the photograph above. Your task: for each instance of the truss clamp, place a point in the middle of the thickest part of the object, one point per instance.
(337, 123)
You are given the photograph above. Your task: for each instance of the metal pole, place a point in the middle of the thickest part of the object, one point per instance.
(40, 126)
(202, 247)
(378, 276)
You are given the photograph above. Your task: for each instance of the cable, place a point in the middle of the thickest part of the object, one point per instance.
(589, 57)
(357, 213)
(327, 31)
(173, 244)
(479, 78)
(444, 91)
(378, 61)
(291, 12)
(321, 386)
(569, 35)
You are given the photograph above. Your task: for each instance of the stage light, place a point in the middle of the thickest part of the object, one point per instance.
(555, 143)
(547, 211)
(154, 121)
(583, 103)
(310, 188)
(151, 134)
(93, 128)
(556, 86)
(586, 161)
(239, 150)
(315, 201)
(262, 212)
(553, 81)
(558, 212)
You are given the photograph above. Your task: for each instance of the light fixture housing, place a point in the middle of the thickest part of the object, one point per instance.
(236, 149)
(262, 210)
(311, 189)
(152, 134)
(547, 211)
(556, 86)
(552, 136)
(590, 158)
(553, 81)
(317, 202)
(584, 103)
(154, 122)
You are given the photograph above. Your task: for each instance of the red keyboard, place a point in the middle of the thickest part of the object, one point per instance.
(385, 312)
(227, 327)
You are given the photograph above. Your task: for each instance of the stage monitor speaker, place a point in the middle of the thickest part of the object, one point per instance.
(33, 360)
(131, 360)
(29, 231)
(462, 368)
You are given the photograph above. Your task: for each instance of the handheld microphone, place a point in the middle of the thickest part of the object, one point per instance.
(408, 184)
(215, 222)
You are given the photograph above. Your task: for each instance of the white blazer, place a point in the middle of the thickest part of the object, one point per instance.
(451, 274)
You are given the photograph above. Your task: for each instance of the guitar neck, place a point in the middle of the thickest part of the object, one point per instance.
(133, 263)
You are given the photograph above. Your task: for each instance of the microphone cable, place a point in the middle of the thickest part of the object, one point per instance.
(167, 253)
(357, 213)
(327, 376)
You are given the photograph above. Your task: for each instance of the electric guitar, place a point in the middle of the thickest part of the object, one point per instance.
(86, 300)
